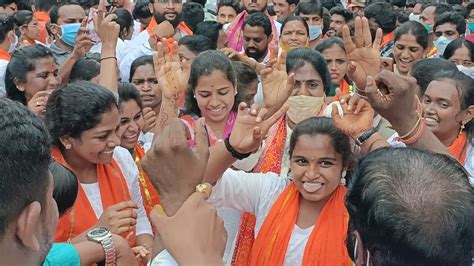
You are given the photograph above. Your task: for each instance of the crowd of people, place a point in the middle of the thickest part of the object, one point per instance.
(251, 132)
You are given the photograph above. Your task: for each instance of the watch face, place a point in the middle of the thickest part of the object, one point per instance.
(98, 232)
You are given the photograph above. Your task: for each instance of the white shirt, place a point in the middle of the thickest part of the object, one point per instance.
(119, 50)
(130, 172)
(3, 70)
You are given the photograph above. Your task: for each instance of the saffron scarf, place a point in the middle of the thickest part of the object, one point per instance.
(4, 55)
(149, 194)
(387, 39)
(432, 53)
(459, 148)
(43, 18)
(81, 217)
(326, 244)
(270, 161)
(235, 35)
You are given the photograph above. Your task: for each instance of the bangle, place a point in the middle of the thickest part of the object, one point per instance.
(237, 155)
(416, 137)
(109, 57)
(412, 130)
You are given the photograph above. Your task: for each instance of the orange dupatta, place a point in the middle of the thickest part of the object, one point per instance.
(459, 148)
(387, 38)
(149, 194)
(113, 190)
(326, 244)
(4, 55)
(270, 161)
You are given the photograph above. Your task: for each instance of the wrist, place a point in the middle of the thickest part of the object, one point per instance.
(404, 126)
(235, 152)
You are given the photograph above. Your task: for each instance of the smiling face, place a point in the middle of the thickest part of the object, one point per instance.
(406, 52)
(44, 77)
(316, 167)
(131, 123)
(294, 35)
(97, 144)
(337, 63)
(145, 81)
(283, 9)
(215, 96)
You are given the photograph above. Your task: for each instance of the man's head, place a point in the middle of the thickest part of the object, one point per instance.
(212, 30)
(339, 17)
(142, 13)
(8, 6)
(450, 25)
(430, 13)
(357, 7)
(193, 14)
(171, 10)
(257, 31)
(65, 21)
(381, 15)
(29, 214)
(312, 11)
(410, 207)
(7, 33)
(284, 8)
(253, 6)
(398, 5)
(191, 45)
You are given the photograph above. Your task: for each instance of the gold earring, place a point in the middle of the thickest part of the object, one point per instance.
(462, 128)
(68, 146)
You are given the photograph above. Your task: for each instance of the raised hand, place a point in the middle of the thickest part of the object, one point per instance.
(119, 218)
(107, 29)
(83, 41)
(37, 104)
(150, 119)
(357, 118)
(165, 160)
(250, 127)
(363, 54)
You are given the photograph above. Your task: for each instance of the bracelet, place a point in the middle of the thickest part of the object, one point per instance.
(416, 137)
(109, 57)
(237, 155)
(365, 136)
(412, 130)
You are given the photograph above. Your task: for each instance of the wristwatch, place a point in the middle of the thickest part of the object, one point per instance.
(365, 136)
(103, 236)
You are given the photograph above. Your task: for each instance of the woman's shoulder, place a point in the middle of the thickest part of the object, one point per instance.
(126, 163)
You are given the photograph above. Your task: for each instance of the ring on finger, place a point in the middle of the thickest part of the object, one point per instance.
(205, 188)
(37, 103)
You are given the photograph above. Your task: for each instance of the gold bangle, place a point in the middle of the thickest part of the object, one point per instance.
(205, 188)
(412, 130)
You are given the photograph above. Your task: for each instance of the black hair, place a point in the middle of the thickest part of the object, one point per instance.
(452, 18)
(5, 3)
(323, 126)
(403, 17)
(246, 75)
(469, 7)
(193, 14)
(54, 12)
(425, 70)
(454, 2)
(124, 19)
(126, 92)
(326, 21)
(141, 10)
(210, 29)
(328, 4)
(461, 10)
(204, 64)
(22, 62)
(25, 154)
(201, 2)
(310, 7)
(45, 5)
(455, 45)
(339, 10)
(22, 17)
(75, 108)
(298, 57)
(439, 9)
(411, 207)
(7, 24)
(140, 61)
(398, 3)
(330, 42)
(196, 43)
(85, 68)
(65, 188)
(413, 28)
(231, 3)
(295, 18)
(383, 14)
(258, 19)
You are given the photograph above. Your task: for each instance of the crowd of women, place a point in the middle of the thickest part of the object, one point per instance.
(284, 134)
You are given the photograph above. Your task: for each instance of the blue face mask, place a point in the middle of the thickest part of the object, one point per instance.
(470, 27)
(69, 33)
(314, 31)
(441, 44)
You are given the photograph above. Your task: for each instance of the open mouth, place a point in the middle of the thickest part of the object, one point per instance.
(312, 187)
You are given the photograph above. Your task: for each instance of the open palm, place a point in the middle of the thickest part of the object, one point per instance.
(354, 124)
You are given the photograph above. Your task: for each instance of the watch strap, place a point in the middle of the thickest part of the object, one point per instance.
(365, 136)
(237, 155)
(109, 249)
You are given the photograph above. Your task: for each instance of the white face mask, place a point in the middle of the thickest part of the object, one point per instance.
(413, 17)
(11, 49)
(441, 43)
(303, 107)
(314, 31)
(466, 70)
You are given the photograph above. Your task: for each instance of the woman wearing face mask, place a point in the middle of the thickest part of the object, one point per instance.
(333, 51)
(461, 52)
(411, 42)
(294, 33)
(83, 120)
(32, 74)
(27, 24)
(132, 123)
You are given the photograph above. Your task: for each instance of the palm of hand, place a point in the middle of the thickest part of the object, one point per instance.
(275, 89)
(172, 78)
(367, 62)
(242, 133)
(355, 124)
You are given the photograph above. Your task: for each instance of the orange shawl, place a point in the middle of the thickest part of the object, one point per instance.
(113, 190)
(459, 148)
(270, 161)
(4, 55)
(326, 244)
(387, 38)
(182, 26)
(43, 18)
(149, 194)
(432, 52)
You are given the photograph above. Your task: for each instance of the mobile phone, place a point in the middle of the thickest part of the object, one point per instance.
(386, 63)
(90, 26)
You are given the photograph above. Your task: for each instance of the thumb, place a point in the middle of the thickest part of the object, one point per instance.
(371, 92)
(158, 216)
(338, 95)
(202, 139)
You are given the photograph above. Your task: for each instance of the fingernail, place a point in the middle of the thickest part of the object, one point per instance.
(369, 81)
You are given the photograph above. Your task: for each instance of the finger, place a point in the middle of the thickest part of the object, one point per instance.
(156, 62)
(273, 52)
(358, 34)
(257, 133)
(202, 139)
(366, 32)
(123, 205)
(378, 39)
(242, 107)
(338, 96)
(271, 63)
(129, 236)
(254, 109)
(335, 114)
(126, 213)
(290, 83)
(261, 115)
(353, 100)
(371, 92)
(124, 229)
(110, 18)
(349, 45)
(174, 52)
(265, 72)
(177, 134)
(282, 61)
(361, 104)
(274, 118)
(125, 222)
(101, 11)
